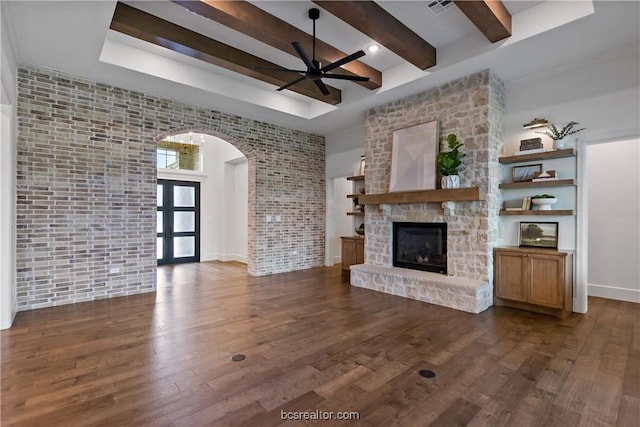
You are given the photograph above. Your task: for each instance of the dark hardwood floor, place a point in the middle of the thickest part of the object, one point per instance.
(314, 343)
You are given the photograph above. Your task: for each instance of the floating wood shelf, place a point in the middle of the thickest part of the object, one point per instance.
(555, 154)
(538, 184)
(423, 196)
(355, 178)
(549, 213)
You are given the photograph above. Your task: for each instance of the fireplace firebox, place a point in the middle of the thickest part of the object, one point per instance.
(420, 246)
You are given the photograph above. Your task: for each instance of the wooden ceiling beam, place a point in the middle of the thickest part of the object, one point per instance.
(248, 19)
(372, 20)
(490, 16)
(143, 26)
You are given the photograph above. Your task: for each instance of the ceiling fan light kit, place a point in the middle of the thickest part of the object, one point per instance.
(315, 71)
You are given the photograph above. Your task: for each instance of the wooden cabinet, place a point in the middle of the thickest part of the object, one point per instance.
(352, 251)
(539, 280)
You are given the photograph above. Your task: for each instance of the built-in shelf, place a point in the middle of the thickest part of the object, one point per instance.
(553, 212)
(355, 178)
(538, 184)
(423, 196)
(355, 213)
(555, 154)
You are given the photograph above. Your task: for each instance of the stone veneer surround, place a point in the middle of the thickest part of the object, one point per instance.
(86, 188)
(472, 108)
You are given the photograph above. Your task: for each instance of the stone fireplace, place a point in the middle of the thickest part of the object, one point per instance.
(472, 108)
(420, 246)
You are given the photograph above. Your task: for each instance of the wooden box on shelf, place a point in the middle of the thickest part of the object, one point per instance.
(534, 279)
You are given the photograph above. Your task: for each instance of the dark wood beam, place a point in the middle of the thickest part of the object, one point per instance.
(372, 20)
(260, 25)
(490, 16)
(141, 25)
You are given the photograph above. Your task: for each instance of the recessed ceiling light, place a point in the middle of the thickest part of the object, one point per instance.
(373, 48)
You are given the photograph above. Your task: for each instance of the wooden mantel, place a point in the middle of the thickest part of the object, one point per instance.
(423, 196)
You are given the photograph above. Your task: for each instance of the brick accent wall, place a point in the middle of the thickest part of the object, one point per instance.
(472, 108)
(86, 188)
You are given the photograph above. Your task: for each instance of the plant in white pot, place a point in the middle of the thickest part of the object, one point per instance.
(449, 162)
(544, 201)
(558, 135)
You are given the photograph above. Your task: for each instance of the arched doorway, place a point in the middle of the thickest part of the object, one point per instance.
(210, 222)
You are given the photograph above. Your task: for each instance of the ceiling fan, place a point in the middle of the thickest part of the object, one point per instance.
(314, 69)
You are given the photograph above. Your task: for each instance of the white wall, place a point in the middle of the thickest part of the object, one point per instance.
(235, 211)
(225, 188)
(338, 222)
(8, 92)
(343, 148)
(614, 228)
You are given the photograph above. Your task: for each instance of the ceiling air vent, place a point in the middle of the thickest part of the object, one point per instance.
(438, 6)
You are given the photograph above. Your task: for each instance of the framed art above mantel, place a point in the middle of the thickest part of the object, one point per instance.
(413, 158)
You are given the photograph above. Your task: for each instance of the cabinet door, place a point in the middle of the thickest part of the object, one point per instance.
(360, 251)
(348, 253)
(510, 276)
(547, 280)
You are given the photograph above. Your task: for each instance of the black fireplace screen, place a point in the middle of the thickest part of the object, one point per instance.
(420, 246)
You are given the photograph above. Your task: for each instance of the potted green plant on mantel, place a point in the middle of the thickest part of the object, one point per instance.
(558, 135)
(449, 163)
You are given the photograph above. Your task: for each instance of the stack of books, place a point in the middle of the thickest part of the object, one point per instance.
(526, 205)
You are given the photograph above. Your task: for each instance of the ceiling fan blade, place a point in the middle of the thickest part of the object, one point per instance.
(343, 61)
(303, 55)
(323, 88)
(345, 77)
(291, 83)
(258, 67)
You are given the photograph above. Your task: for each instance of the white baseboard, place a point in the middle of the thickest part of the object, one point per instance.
(613, 292)
(331, 261)
(234, 257)
(224, 257)
(208, 257)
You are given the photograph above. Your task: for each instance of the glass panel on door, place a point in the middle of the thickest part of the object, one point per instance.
(184, 221)
(183, 246)
(184, 196)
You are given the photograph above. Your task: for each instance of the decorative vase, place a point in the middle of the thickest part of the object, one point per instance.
(558, 144)
(450, 181)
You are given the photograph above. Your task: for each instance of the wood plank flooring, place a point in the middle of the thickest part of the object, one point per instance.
(313, 343)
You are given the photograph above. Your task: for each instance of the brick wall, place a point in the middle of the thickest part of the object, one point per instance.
(472, 108)
(86, 188)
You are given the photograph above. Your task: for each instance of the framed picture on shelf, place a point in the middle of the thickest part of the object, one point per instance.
(539, 234)
(526, 172)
